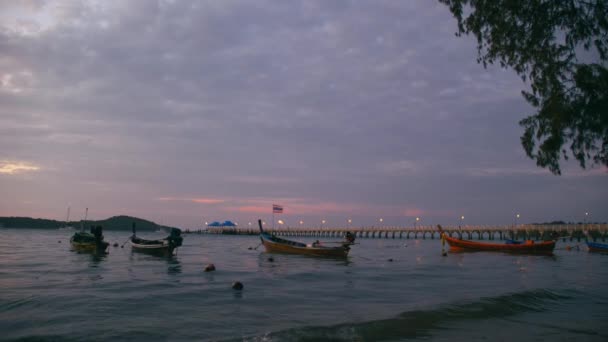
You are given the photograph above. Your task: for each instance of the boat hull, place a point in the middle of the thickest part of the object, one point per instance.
(275, 245)
(89, 247)
(597, 247)
(87, 242)
(156, 247)
(457, 245)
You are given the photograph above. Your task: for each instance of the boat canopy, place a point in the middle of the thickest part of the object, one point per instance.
(222, 224)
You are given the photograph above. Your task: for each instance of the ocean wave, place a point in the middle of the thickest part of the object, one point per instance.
(421, 323)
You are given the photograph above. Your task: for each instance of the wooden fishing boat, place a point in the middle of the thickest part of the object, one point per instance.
(89, 242)
(528, 246)
(164, 246)
(274, 244)
(597, 247)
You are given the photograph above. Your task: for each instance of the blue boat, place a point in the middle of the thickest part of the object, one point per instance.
(597, 247)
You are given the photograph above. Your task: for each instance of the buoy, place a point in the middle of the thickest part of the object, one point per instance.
(59, 241)
(250, 248)
(123, 246)
(115, 244)
(390, 260)
(237, 285)
(209, 268)
(444, 254)
(271, 259)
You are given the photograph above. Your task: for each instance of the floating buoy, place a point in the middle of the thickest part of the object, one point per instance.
(390, 260)
(250, 248)
(123, 246)
(209, 268)
(115, 244)
(271, 259)
(237, 285)
(444, 254)
(59, 241)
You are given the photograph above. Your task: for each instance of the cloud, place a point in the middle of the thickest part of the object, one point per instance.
(16, 167)
(195, 200)
(334, 108)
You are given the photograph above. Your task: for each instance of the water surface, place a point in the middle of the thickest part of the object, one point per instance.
(48, 292)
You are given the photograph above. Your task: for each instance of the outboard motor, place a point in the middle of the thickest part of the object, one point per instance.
(98, 232)
(175, 237)
(350, 237)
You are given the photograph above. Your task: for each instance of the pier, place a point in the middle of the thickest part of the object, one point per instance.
(565, 232)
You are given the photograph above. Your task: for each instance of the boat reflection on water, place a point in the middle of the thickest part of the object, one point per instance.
(173, 266)
(97, 259)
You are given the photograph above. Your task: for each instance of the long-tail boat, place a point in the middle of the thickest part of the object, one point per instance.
(89, 242)
(164, 246)
(274, 244)
(597, 247)
(529, 246)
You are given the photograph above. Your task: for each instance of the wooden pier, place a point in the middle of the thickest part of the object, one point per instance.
(593, 232)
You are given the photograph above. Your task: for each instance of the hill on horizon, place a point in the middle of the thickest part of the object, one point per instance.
(120, 222)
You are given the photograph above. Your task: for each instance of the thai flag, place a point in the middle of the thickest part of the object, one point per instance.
(277, 209)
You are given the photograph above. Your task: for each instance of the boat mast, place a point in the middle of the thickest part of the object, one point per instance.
(86, 213)
(67, 219)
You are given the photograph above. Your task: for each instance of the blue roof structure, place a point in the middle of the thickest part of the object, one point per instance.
(222, 224)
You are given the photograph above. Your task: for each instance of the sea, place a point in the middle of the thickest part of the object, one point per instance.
(386, 290)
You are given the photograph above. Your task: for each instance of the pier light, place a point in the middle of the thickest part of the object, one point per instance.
(249, 224)
(206, 223)
(301, 222)
(461, 220)
(280, 221)
(416, 222)
(323, 221)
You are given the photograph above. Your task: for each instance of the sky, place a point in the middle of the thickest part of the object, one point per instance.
(185, 112)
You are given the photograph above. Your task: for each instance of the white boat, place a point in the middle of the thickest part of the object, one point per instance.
(164, 246)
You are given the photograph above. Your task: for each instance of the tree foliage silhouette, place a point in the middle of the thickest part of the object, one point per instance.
(560, 47)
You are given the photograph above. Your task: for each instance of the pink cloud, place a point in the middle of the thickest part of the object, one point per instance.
(414, 212)
(195, 200)
(208, 200)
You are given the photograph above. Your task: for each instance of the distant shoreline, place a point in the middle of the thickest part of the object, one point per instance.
(121, 222)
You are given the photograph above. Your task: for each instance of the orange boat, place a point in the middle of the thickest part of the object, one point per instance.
(529, 246)
(274, 244)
